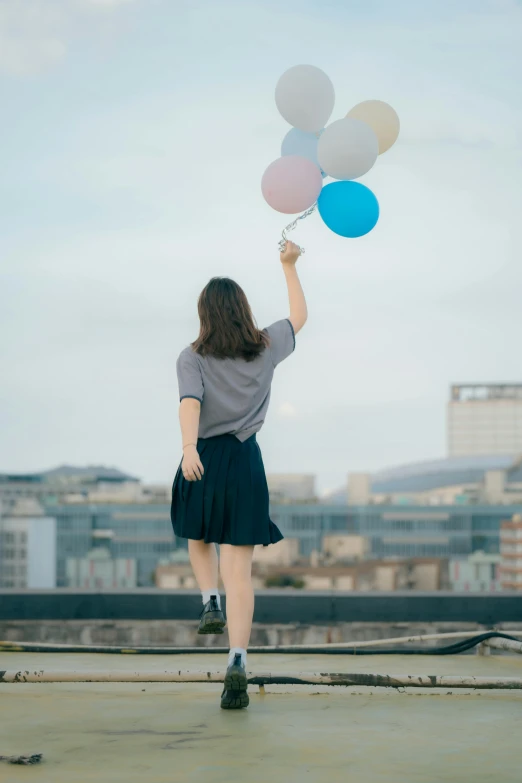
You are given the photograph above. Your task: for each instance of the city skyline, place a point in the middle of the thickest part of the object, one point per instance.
(136, 141)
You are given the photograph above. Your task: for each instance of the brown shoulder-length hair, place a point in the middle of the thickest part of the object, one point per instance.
(227, 326)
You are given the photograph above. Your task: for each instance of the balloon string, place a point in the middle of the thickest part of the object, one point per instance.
(292, 225)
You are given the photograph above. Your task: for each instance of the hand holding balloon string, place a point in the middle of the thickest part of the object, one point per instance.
(290, 252)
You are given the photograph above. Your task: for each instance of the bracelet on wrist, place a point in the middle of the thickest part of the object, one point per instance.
(189, 444)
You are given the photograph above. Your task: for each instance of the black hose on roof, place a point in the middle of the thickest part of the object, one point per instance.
(451, 649)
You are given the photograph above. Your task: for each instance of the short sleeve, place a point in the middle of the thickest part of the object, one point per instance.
(190, 380)
(282, 340)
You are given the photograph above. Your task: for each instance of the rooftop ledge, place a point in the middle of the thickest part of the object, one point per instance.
(272, 606)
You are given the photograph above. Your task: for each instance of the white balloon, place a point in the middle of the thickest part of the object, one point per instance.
(305, 97)
(347, 149)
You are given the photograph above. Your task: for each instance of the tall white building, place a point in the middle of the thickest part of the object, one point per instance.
(27, 547)
(485, 419)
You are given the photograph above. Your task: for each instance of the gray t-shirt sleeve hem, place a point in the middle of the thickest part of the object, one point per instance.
(293, 332)
(190, 397)
(190, 379)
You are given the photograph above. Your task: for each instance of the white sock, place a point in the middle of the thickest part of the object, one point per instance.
(237, 651)
(207, 594)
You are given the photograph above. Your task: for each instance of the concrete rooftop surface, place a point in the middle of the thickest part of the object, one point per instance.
(158, 732)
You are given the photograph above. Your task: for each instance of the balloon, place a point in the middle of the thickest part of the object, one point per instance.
(305, 97)
(383, 120)
(347, 149)
(291, 184)
(297, 142)
(348, 208)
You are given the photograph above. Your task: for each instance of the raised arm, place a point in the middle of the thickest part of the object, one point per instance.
(296, 297)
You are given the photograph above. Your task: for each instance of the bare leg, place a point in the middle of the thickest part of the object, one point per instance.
(204, 562)
(236, 572)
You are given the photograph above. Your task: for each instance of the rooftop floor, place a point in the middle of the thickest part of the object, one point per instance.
(107, 732)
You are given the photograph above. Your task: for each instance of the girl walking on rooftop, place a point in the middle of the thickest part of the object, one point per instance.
(220, 494)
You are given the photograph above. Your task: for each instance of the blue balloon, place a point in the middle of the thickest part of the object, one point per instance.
(298, 142)
(348, 208)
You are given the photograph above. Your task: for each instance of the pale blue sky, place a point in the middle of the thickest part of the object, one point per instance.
(134, 135)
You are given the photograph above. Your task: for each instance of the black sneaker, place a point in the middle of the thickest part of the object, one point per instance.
(212, 618)
(235, 696)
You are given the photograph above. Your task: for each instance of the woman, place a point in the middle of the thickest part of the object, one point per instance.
(220, 494)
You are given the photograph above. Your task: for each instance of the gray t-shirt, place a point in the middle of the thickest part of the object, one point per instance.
(234, 394)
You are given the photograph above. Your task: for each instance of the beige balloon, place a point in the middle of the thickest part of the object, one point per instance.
(381, 118)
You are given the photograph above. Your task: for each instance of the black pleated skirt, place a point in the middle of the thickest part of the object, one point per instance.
(230, 503)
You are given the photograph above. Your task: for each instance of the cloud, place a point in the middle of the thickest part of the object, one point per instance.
(31, 36)
(35, 34)
(287, 410)
(463, 117)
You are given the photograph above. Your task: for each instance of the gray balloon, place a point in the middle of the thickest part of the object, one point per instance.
(305, 97)
(347, 149)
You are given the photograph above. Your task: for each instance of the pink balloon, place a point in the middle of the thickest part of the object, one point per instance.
(291, 184)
